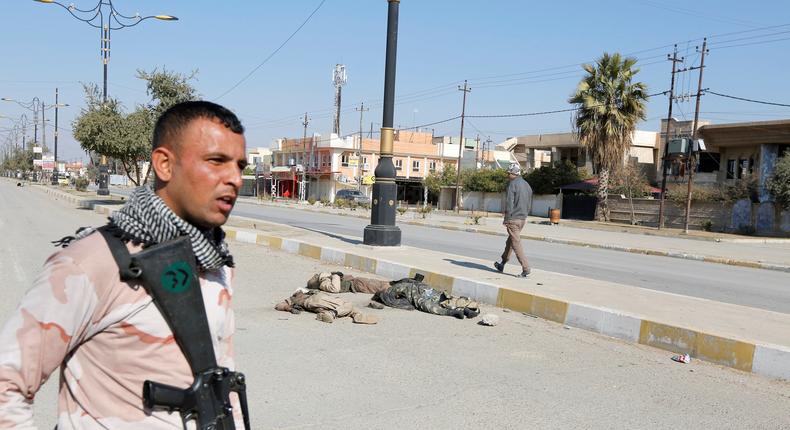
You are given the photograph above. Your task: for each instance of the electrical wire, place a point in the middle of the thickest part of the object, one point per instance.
(255, 69)
(746, 100)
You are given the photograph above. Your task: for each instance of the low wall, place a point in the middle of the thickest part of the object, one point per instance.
(743, 216)
(541, 203)
(480, 201)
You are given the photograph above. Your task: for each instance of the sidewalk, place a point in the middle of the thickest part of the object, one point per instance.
(740, 337)
(762, 253)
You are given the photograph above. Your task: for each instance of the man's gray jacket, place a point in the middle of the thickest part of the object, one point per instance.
(518, 199)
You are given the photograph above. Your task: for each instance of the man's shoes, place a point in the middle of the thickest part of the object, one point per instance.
(524, 274)
(500, 267)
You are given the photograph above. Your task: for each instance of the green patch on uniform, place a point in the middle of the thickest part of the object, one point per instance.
(175, 278)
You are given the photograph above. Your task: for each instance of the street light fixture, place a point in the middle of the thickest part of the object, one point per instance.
(105, 17)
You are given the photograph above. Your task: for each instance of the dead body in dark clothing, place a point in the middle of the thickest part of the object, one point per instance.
(410, 294)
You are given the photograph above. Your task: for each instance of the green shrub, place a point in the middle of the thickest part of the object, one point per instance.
(401, 210)
(484, 180)
(81, 184)
(548, 179)
(779, 184)
(424, 211)
(340, 203)
(311, 201)
(325, 201)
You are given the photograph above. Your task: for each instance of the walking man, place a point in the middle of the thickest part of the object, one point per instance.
(518, 201)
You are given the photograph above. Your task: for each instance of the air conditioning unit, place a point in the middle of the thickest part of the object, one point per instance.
(366, 166)
(678, 146)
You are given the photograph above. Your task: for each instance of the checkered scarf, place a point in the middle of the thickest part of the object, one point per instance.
(146, 219)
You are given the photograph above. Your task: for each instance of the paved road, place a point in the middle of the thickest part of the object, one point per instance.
(414, 370)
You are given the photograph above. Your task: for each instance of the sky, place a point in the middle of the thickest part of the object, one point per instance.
(517, 56)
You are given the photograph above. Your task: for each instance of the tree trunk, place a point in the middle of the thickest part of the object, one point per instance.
(603, 193)
(128, 173)
(630, 196)
(147, 173)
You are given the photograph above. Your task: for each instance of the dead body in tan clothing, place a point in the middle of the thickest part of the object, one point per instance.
(326, 306)
(337, 282)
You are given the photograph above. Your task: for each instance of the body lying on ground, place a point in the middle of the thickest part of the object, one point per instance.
(412, 294)
(337, 282)
(326, 306)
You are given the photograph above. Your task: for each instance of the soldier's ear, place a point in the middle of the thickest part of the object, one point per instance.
(163, 161)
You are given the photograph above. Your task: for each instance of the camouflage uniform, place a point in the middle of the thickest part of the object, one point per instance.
(106, 337)
(410, 294)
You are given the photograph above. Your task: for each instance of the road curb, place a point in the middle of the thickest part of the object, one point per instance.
(764, 359)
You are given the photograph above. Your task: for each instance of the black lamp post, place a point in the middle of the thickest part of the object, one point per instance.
(382, 230)
(105, 17)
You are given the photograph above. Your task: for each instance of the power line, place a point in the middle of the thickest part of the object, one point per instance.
(274, 52)
(747, 100)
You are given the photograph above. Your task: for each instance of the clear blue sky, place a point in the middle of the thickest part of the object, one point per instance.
(496, 45)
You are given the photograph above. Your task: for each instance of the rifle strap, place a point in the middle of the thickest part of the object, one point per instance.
(168, 273)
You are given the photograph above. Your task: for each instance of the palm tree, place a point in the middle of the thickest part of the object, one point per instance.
(609, 107)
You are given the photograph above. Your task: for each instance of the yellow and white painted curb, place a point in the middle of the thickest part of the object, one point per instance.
(764, 359)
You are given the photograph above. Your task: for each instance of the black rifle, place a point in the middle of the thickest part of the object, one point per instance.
(169, 275)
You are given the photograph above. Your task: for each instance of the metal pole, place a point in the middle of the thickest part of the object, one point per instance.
(664, 160)
(302, 191)
(361, 110)
(465, 89)
(382, 230)
(104, 175)
(691, 160)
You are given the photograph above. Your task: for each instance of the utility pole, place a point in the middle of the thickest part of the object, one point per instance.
(477, 150)
(486, 150)
(691, 158)
(466, 90)
(674, 59)
(302, 193)
(361, 109)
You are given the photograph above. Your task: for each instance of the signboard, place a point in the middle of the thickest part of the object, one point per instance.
(368, 180)
(353, 161)
(48, 162)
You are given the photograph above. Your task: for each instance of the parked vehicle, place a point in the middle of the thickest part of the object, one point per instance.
(349, 194)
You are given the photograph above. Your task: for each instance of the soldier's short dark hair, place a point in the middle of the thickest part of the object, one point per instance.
(174, 120)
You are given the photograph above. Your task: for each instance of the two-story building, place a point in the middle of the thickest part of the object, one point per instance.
(327, 164)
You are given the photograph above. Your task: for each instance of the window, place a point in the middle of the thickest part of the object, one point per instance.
(398, 164)
(432, 166)
(364, 160)
(325, 159)
(415, 166)
(743, 168)
(730, 169)
(344, 160)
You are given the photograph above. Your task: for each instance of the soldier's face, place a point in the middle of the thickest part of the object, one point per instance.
(206, 173)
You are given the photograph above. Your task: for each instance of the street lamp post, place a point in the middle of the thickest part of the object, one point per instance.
(57, 105)
(382, 230)
(114, 20)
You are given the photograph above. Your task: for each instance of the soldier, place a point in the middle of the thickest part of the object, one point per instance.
(337, 282)
(326, 306)
(410, 294)
(106, 336)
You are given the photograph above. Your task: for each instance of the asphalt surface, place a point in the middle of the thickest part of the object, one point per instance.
(419, 371)
(764, 289)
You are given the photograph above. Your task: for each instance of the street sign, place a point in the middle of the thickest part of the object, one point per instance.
(353, 161)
